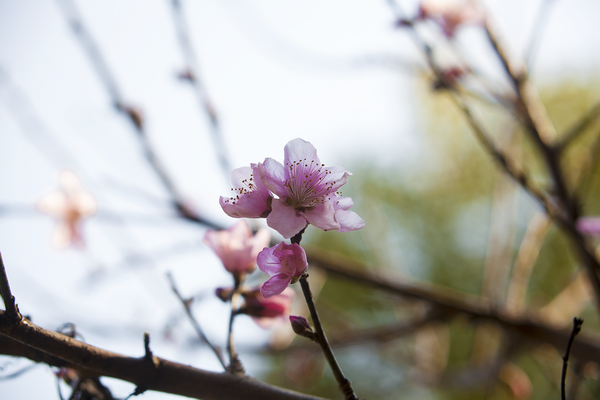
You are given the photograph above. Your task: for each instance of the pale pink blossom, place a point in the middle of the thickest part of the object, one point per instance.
(251, 199)
(589, 225)
(449, 14)
(237, 247)
(265, 311)
(69, 205)
(285, 263)
(306, 192)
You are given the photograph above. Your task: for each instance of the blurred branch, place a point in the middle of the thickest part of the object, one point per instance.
(562, 207)
(527, 325)
(24, 339)
(526, 257)
(538, 30)
(542, 133)
(133, 114)
(193, 76)
(195, 324)
(577, 128)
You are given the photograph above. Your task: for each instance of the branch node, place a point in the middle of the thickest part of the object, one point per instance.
(148, 353)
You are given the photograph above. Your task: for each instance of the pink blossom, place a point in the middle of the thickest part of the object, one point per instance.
(237, 247)
(285, 263)
(264, 311)
(589, 225)
(306, 192)
(252, 199)
(449, 14)
(69, 205)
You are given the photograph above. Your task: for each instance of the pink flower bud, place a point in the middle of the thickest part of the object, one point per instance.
(265, 310)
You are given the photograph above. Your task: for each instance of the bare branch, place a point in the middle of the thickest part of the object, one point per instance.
(527, 325)
(577, 322)
(578, 128)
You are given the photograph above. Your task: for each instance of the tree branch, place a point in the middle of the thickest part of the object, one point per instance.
(528, 326)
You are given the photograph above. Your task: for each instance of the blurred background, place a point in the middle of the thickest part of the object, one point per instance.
(344, 76)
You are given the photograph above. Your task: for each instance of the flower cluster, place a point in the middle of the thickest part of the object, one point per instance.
(291, 195)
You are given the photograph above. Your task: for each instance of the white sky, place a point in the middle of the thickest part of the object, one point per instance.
(329, 72)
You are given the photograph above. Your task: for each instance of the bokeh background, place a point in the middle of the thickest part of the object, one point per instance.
(341, 75)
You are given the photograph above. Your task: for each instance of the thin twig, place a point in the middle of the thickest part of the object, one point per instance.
(12, 311)
(195, 323)
(538, 30)
(235, 365)
(578, 128)
(344, 384)
(195, 79)
(577, 322)
(130, 112)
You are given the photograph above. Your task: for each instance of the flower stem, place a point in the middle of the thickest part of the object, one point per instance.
(344, 384)
(235, 365)
(298, 236)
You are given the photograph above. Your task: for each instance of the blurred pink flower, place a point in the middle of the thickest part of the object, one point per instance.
(285, 263)
(237, 247)
(589, 225)
(264, 311)
(252, 199)
(69, 205)
(449, 14)
(306, 191)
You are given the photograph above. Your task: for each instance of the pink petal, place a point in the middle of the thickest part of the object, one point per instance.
(260, 241)
(335, 177)
(253, 201)
(268, 262)
(349, 221)
(589, 225)
(343, 203)
(323, 217)
(300, 258)
(275, 285)
(272, 174)
(285, 219)
(55, 204)
(299, 149)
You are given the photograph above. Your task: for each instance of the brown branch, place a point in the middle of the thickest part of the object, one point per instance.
(578, 128)
(527, 326)
(25, 339)
(11, 309)
(577, 322)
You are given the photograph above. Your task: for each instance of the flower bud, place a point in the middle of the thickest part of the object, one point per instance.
(301, 326)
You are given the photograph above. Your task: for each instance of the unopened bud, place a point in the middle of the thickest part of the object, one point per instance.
(301, 326)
